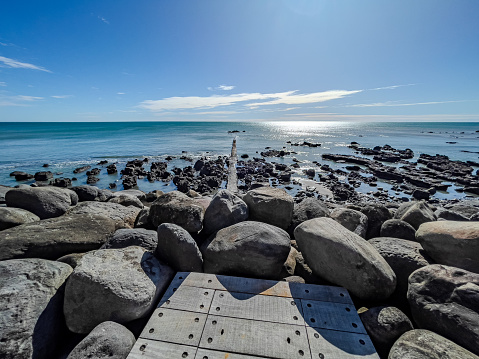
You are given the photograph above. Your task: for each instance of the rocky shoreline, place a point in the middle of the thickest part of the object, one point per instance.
(82, 268)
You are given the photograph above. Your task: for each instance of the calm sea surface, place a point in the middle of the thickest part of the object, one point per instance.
(65, 146)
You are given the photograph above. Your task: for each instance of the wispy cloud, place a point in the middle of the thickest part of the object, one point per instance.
(19, 100)
(11, 63)
(391, 87)
(62, 96)
(120, 93)
(3, 84)
(222, 88)
(397, 103)
(104, 20)
(208, 102)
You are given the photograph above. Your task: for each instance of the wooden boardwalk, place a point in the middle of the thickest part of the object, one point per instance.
(207, 316)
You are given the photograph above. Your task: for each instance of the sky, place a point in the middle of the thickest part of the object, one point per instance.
(239, 60)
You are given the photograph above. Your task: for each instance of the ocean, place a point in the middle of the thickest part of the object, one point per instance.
(66, 146)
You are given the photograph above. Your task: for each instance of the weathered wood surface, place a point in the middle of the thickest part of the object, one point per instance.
(264, 286)
(232, 184)
(209, 316)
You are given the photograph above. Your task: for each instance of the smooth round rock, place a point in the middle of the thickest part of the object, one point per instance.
(377, 214)
(355, 221)
(308, 208)
(342, 257)
(126, 237)
(124, 217)
(415, 213)
(224, 210)
(11, 217)
(396, 228)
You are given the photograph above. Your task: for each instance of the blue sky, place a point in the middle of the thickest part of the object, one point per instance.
(239, 60)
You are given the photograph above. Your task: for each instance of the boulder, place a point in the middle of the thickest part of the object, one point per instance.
(396, 228)
(177, 248)
(355, 221)
(132, 192)
(270, 205)
(449, 215)
(11, 217)
(43, 176)
(107, 340)
(308, 208)
(343, 258)
(464, 209)
(415, 213)
(124, 217)
(91, 193)
(55, 237)
(177, 208)
(142, 219)
(3, 191)
(224, 210)
(454, 243)
(424, 344)
(385, 325)
(31, 292)
(71, 259)
(445, 299)
(247, 249)
(120, 285)
(126, 237)
(377, 214)
(45, 202)
(126, 200)
(289, 266)
(404, 257)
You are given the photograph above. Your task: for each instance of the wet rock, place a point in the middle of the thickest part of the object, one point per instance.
(43, 176)
(343, 258)
(177, 248)
(11, 217)
(55, 237)
(444, 299)
(107, 340)
(424, 344)
(415, 213)
(126, 237)
(81, 169)
(45, 202)
(247, 249)
(453, 243)
(31, 307)
(177, 208)
(385, 325)
(404, 257)
(355, 221)
(22, 176)
(113, 284)
(224, 210)
(398, 229)
(124, 217)
(62, 182)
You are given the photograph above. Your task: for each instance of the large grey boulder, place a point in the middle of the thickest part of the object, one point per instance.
(385, 324)
(342, 257)
(449, 215)
(177, 208)
(177, 248)
(31, 293)
(107, 340)
(415, 213)
(124, 217)
(396, 228)
(464, 209)
(91, 193)
(126, 200)
(3, 191)
(351, 219)
(247, 249)
(424, 344)
(126, 237)
(270, 205)
(453, 243)
(224, 210)
(377, 214)
(120, 285)
(404, 257)
(45, 202)
(11, 217)
(308, 208)
(445, 299)
(56, 237)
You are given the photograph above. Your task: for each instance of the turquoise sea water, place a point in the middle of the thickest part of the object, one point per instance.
(65, 146)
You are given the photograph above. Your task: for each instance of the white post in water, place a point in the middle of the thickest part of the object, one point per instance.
(232, 184)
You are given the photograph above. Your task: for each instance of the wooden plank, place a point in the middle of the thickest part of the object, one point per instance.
(175, 326)
(257, 307)
(336, 316)
(213, 354)
(327, 344)
(267, 287)
(257, 338)
(192, 299)
(152, 349)
(232, 183)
